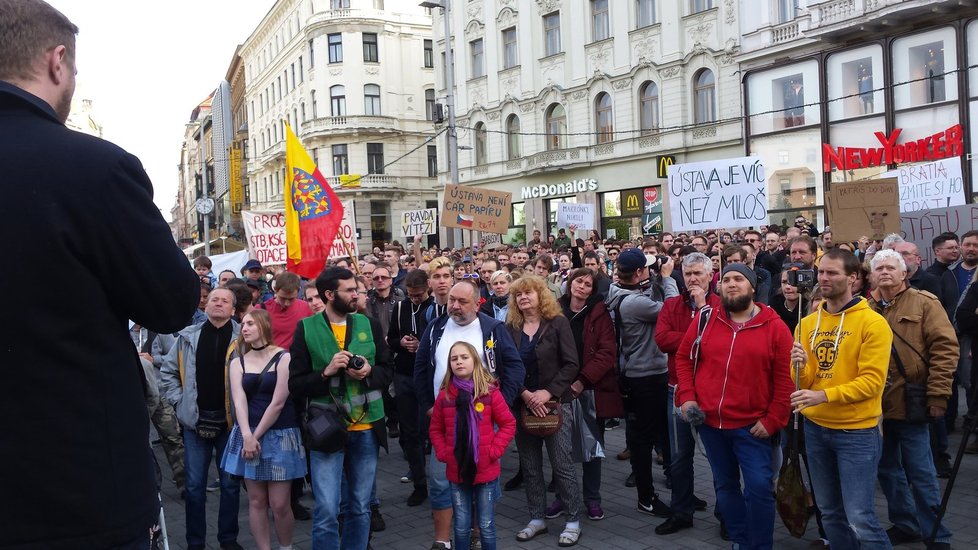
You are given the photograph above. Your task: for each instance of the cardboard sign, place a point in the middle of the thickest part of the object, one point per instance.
(720, 193)
(467, 207)
(869, 207)
(348, 231)
(265, 233)
(922, 226)
(581, 215)
(419, 222)
(932, 185)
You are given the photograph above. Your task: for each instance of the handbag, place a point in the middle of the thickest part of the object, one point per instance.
(585, 442)
(325, 428)
(914, 395)
(542, 426)
(210, 424)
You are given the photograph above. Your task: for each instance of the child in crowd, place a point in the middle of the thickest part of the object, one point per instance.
(463, 435)
(203, 266)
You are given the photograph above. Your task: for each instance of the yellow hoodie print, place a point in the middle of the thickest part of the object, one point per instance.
(848, 357)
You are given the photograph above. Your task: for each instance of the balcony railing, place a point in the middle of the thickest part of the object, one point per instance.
(348, 123)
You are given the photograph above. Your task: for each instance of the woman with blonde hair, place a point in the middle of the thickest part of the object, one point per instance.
(546, 344)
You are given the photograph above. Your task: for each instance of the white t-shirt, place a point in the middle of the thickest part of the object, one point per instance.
(471, 333)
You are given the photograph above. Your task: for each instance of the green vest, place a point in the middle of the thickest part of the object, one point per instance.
(352, 394)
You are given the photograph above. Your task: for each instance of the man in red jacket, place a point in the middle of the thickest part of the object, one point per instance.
(741, 384)
(674, 320)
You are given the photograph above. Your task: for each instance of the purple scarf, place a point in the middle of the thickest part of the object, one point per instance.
(466, 430)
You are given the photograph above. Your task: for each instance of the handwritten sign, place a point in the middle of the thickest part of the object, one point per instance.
(265, 232)
(922, 226)
(348, 230)
(863, 208)
(419, 222)
(468, 207)
(932, 185)
(491, 241)
(581, 215)
(720, 193)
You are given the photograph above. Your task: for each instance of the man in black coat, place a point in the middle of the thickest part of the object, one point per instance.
(76, 468)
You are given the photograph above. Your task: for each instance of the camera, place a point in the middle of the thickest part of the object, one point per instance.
(801, 277)
(356, 362)
(662, 259)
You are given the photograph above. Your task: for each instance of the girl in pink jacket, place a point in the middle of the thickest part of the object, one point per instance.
(467, 414)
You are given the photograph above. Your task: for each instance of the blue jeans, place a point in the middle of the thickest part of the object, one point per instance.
(843, 465)
(482, 498)
(748, 512)
(197, 461)
(682, 447)
(357, 462)
(439, 490)
(907, 458)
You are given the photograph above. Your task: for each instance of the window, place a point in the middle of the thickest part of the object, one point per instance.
(477, 55)
(312, 57)
(337, 100)
(432, 161)
(599, 20)
(341, 160)
(302, 77)
(551, 33)
(481, 144)
(339, 4)
(371, 99)
(788, 96)
(696, 6)
(315, 111)
(302, 109)
(787, 10)
(928, 63)
(603, 120)
(380, 222)
(509, 48)
(370, 50)
(645, 10)
(375, 158)
(335, 50)
(429, 105)
(855, 82)
(429, 54)
(704, 97)
(648, 107)
(556, 127)
(513, 137)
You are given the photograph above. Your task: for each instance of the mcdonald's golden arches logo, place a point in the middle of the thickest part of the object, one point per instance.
(662, 164)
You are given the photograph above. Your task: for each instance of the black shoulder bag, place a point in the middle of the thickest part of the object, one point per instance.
(914, 395)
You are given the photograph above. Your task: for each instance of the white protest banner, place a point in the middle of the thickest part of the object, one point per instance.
(717, 193)
(922, 226)
(265, 232)
(932, 185)
(419, 222)
(491, 241)
(348, 231)
(580, 215)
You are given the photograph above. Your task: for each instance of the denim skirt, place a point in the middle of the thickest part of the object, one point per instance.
(282, 456)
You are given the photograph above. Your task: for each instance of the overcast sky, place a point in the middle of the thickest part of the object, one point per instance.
(146, 65)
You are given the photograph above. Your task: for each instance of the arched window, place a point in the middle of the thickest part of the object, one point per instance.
(513, 137)
(648, 107)
(556, 127)
(371, 99)
(337, 100)
(603, 118)
(481, 143)
(704, 97)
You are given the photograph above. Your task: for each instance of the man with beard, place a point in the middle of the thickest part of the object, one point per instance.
(76, 469)
(844, 353)
(741, 382)
(340, 360)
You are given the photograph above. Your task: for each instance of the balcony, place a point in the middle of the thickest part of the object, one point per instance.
(368, 182)
(347, 124)
(836, 20)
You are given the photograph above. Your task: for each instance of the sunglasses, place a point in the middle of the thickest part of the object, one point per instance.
(381, 278)
(470, 275)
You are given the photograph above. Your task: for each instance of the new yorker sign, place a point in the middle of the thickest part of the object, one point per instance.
(934, 147)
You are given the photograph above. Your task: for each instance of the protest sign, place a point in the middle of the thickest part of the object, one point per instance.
(467, 207)
(717, 193)
(580, 215)
(419, 222)
(265, 232)
(349, 232)
(932, 185)
(869, 207)
(491, 241)
(922, 226)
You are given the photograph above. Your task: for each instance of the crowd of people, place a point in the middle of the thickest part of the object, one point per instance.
(457, 352)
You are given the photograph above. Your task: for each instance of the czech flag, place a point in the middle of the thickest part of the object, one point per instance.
(464, 220)
(313, 212)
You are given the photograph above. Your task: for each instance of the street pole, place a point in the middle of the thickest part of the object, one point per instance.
(452, 137)
(203, 178)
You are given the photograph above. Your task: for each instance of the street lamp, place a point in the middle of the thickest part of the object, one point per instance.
(452, 137)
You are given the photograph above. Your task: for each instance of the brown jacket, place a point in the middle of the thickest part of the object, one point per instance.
(556, 353)
(925, 340)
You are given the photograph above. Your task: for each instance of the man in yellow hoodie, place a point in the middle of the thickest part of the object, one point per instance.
(844, 352)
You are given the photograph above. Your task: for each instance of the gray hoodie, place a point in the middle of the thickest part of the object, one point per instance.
(639, 355)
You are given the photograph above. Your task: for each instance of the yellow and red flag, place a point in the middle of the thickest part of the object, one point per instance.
(313, 212)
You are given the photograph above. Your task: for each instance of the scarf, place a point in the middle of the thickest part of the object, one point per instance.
(499, 301)
(466, 431)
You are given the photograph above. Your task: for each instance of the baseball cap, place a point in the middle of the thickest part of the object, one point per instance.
(633, 259)
(252, 264)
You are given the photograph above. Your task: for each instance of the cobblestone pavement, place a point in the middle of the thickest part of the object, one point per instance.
(622, 528)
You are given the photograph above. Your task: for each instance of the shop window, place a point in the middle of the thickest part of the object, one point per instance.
(924, 68)
(791, 167)
(785, 97)
(552, 206)
(855, 83)
(857, 133)
(516, 233)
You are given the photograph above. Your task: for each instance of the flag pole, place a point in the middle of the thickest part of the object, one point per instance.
(353, 259)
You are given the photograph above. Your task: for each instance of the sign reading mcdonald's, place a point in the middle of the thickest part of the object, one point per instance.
(662, 164)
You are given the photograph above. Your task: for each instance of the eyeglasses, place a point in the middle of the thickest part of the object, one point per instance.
(381, 278)
(470, 275)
